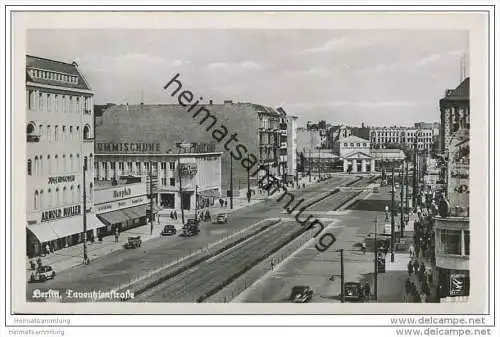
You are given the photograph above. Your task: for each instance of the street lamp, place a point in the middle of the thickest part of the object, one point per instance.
(341, 251)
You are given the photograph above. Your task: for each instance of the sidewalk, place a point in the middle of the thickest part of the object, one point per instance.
(70, 257)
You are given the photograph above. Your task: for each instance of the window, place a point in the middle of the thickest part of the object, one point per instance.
(70, 133)
(345, 144)
(172, 181)
(36, 201)
(164, 181)
(364, 144)
(146, 165)
(91, 191)
(56, 164)
(64, 195)
(352, 144)
(86, 132)
(163, 166)
(467, 243)
(78, 195)
(56, 133)
(451, 242)
(71, 163)
(40, 101)
(172, 165)
(120, 165)
(357, 144)
(64, 164)
(48, 102)
(49, 165)
(72, 193)
(29, 167)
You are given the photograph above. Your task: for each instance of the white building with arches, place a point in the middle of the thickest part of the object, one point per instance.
(59, 135)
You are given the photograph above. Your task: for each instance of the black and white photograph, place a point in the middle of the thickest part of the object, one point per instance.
(249, 165)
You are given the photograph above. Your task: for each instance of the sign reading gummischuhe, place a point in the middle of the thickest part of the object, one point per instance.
(61, 213)
(127, 147)
(61, 179)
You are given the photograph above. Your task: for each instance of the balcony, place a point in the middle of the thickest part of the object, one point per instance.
(32, 138)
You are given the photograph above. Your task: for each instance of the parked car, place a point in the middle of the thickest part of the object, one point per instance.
(42, 274)
(133, 242)
(219, 218)
(353, 292)
(301, 294)
(168, 230)
(192, 222)
(190, 229)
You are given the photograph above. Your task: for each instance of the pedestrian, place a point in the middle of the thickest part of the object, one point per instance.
(272, 264)
(116, 236)
(207, 215)
(39, 262)
(410, 268)
(363, 248)
(366, 291)
(411, 250)
(415, 266)
(175, 215)
(221, 202)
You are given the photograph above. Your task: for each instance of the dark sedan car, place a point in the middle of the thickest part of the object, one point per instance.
(168, 230)
(301, 294)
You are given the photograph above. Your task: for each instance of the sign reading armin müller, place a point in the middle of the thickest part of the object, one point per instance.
(61, 213)
(127, 147)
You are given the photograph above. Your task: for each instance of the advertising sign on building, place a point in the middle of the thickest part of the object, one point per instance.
(457, 284)
(119, 192)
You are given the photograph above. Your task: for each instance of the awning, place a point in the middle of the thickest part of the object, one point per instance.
(114, 217)
(64, 227)
(136, 211)
(209, 193)
(124, 214)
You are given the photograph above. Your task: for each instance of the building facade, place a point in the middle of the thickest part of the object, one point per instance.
(451, 226)
(356, 155)
(410, 137)
(176, 179)
(60, 139)
(121, 205)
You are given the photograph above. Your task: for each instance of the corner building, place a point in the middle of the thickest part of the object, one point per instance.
(59, 135)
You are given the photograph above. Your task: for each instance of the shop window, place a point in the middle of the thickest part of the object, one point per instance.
(467, 243)
(451, 242)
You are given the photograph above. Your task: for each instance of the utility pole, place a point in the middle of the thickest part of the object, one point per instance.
(195, 202)
(84, 211)
(392, 216)
(180, 187)
(414, 194)
(231, 181)
(319, 163)
(375, 279)
(151, 195)
(309, 165)
(401, 224)
(407, 198)
(249, 193)
(342, 292)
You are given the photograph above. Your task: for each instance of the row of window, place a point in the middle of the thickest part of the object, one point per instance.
(58, 133)
(55, 164)
(51, 75)
(59, 196)
(48, 102)
(398, 140)
(357, 144)
(138, 165)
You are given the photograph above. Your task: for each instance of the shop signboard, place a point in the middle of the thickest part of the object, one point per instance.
(120, 192)
(457, 284)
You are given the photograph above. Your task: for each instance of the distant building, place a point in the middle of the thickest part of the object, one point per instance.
(356, 155)
(407, 137)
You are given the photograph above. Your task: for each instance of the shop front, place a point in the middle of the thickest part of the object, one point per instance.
(122, 207)
(58, 229)
(454, 284)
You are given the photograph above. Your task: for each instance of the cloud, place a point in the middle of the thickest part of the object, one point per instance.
(178, 63)
(250, 65)
(216, 65)
(327, 46)
(139, 57)
(234, 66)
(360, 104)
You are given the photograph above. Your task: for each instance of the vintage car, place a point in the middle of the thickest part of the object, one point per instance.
(133, 242)
(168, 230)
(42, 274)
(219, 218)
(353, 292)
(193, 222)
(301, 294)
(375, 190)
(189, 230)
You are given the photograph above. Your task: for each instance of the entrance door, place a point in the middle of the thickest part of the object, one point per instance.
(186, 201)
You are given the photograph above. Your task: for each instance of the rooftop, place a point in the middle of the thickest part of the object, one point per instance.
(54, 69)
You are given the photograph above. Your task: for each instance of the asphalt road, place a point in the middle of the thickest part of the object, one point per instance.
(333, 202)
(122, 266)
(208, 275)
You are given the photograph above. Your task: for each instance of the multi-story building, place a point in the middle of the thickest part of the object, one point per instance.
(356, 155)
(452, 232)
(288, 145)
(173, 178)
(60, 140)
(255, 126)
(409, 137)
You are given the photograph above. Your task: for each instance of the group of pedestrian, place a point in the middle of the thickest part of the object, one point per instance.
(223, 202)
(203, 215)
(412, 293)
(173, 215)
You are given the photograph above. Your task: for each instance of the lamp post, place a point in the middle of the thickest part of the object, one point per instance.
(341, 251)
(375, 277)
(195, 202)
(180, 187)
(85, 257)
(231, 181)
(392, 216)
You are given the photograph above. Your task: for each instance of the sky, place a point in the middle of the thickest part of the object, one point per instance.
(375, 77)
